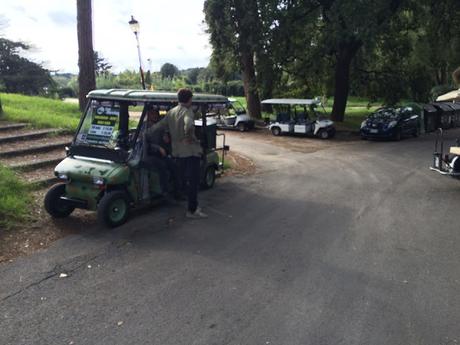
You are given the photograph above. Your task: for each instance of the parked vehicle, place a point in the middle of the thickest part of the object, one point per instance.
(446, 164)
(300, 116)
(102, 171)
(233, 116)
(390, 123)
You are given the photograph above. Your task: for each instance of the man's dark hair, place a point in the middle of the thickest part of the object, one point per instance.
(184, 95)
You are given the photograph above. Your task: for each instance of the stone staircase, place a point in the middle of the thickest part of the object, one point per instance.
(32, 153)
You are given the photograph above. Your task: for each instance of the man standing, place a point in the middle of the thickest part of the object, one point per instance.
(180, 122)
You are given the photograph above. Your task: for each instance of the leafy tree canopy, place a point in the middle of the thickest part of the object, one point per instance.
(18, 74)
(169, 71)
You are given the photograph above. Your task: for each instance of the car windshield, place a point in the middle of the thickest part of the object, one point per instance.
(385, 114)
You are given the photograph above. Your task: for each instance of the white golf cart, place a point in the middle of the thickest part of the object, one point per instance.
(234, 116)
(299, 116)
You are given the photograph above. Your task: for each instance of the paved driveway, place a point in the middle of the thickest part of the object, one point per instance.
(347, 243)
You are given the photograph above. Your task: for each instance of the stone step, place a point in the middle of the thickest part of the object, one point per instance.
(31, 158)
(11, 126)
(33, 143)
(35, 149)
(28, 135)
(44, 182)
(40, 177)
(35, 164)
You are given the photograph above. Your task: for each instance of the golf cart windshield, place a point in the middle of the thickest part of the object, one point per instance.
(101, 125)
(107, 129)
(238, 107)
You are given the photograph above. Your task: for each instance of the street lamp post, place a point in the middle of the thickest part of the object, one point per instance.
(134, 25)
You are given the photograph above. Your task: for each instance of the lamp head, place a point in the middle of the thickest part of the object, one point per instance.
(134, 25)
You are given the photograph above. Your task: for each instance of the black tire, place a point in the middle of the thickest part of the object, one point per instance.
(241, 127)
(276, 131)
(332, 133)
(209, 178)
(113, 209)
(323, 134)
(398, 134)
(56, 207)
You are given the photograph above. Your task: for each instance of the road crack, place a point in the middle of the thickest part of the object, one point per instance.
(58, 269)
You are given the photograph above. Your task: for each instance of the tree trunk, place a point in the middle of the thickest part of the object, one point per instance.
(345, 56)
(86, 76)
(250, 85)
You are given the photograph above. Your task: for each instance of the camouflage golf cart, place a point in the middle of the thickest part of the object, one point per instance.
(103, 170)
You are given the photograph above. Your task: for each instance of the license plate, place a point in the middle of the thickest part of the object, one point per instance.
(374, 131)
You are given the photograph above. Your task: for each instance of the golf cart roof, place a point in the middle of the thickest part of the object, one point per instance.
(152, 96)
(442, 106)
(450, 96)
(291, 101)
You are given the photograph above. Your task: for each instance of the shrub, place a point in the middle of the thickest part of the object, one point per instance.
(14, 198)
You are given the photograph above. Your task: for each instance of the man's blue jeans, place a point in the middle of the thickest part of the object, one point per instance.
(190, 172)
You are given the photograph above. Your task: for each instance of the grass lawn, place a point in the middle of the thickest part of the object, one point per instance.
(357, 110)
(40, 112)
(14, 198)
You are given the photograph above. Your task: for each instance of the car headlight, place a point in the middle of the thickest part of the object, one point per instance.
(61, 176)
(98, 181)
(392, 124)
(363, 124)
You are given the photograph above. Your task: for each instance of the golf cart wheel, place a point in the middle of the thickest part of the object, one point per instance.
(209, 178)
(276, 131)
(323, 134)
(113, 209)
(332, 133)
(241, 126)
(56, 207)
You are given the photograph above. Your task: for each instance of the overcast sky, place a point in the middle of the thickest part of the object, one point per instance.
(171, 31)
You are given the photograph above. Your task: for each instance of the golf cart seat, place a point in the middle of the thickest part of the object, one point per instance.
(283, 117)
(301, 118)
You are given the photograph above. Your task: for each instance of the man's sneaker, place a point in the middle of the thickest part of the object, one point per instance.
(198, 214)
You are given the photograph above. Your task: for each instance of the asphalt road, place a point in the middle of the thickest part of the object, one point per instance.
(356, 243)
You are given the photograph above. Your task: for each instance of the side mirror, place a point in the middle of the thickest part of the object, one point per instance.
(226, 148)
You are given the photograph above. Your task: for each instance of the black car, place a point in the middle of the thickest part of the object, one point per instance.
(391, 123)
